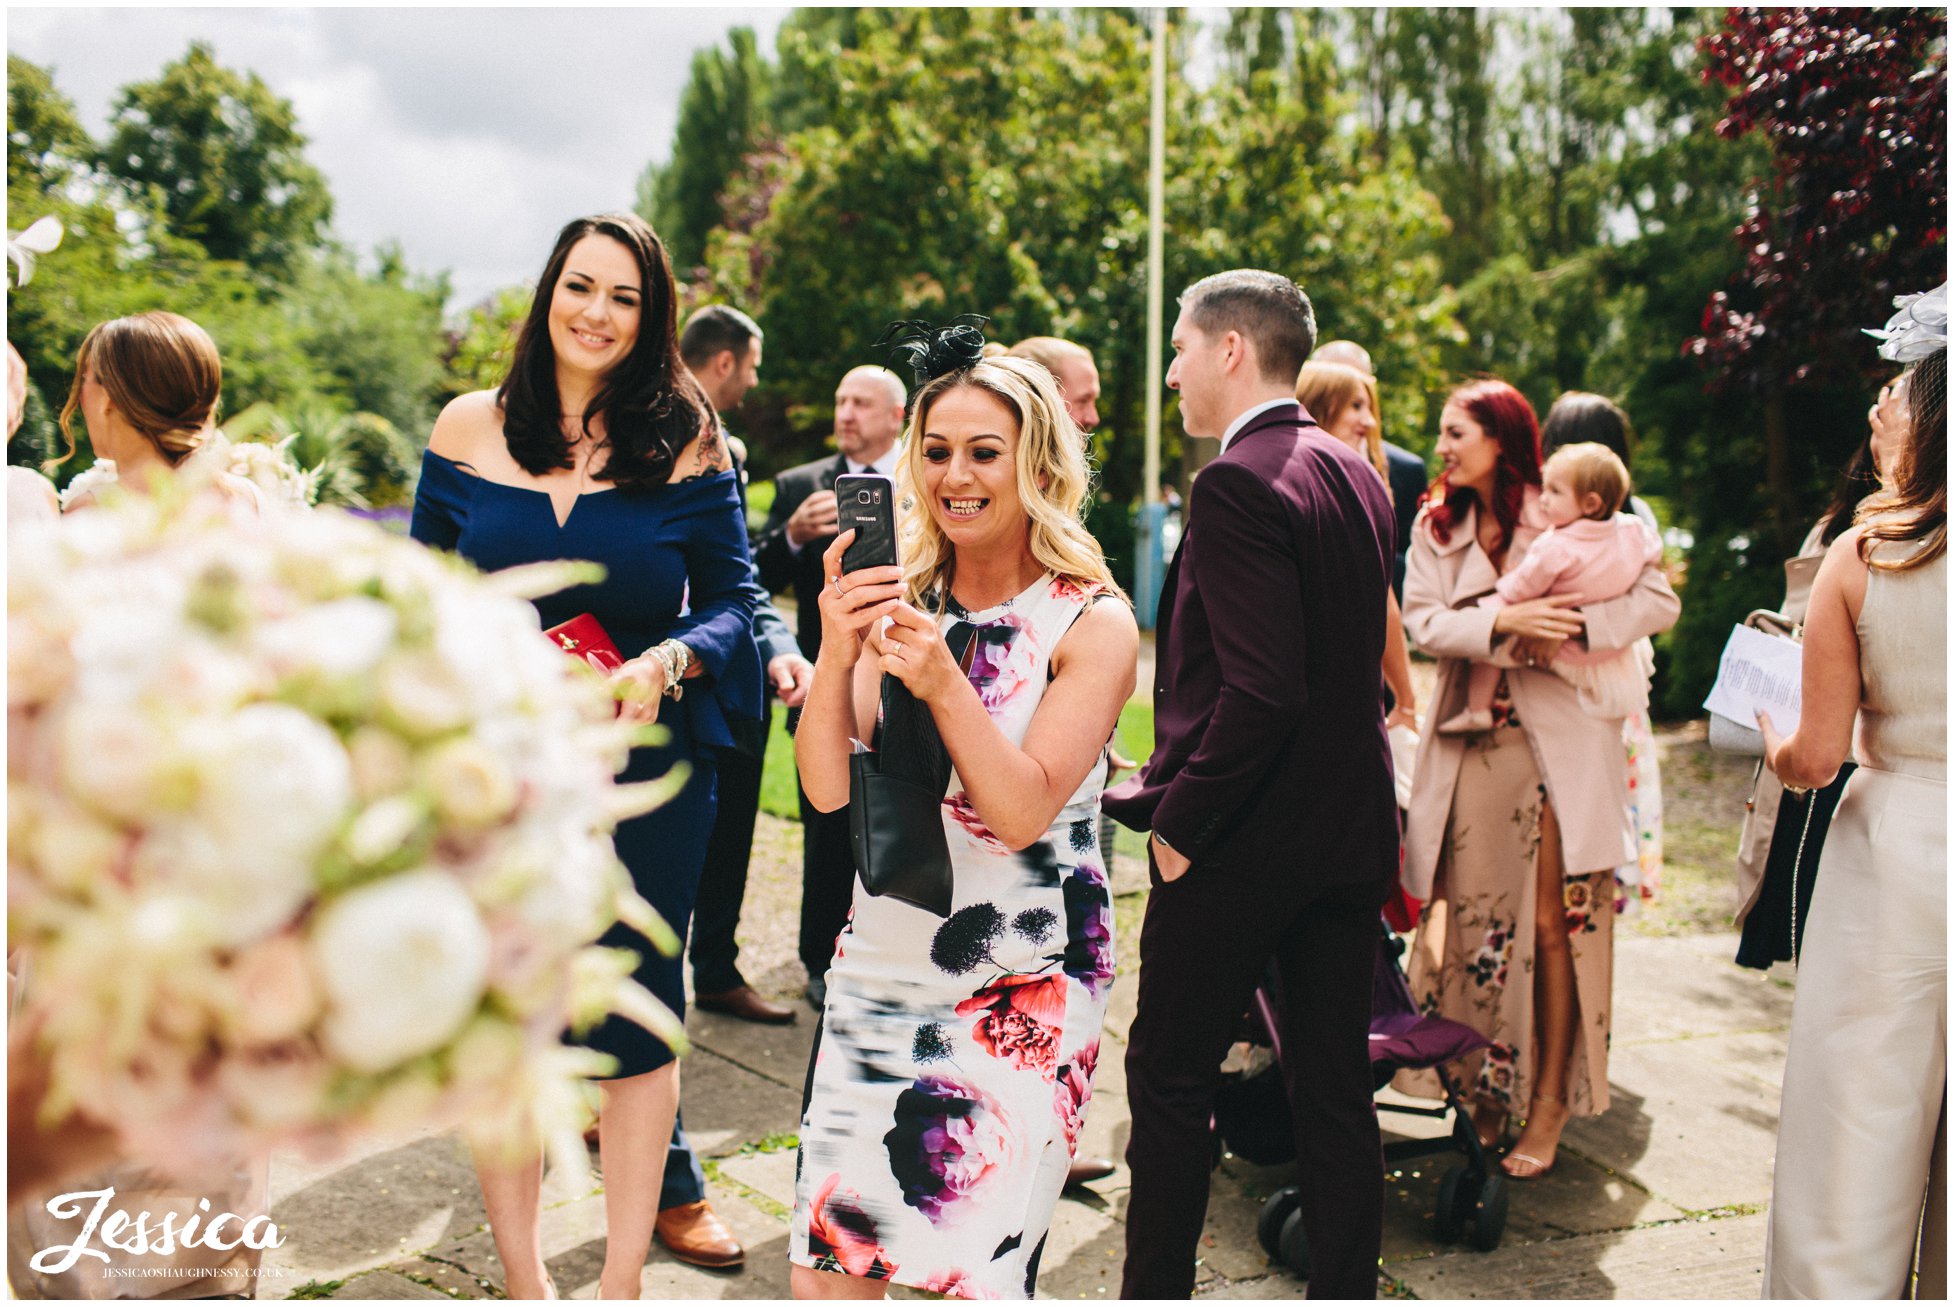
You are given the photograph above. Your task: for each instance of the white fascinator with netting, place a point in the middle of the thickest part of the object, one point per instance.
(1917, 329)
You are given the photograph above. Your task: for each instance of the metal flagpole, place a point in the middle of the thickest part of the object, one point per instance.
(1150, 563)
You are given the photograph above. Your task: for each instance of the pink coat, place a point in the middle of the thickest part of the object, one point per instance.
(1583, 761)
(1593, 559)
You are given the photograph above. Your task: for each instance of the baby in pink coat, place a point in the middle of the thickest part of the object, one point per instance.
(1591, 550)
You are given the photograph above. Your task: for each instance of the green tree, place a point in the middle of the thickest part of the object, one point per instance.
(46, 144)
(479, 353)
(717, 114)
(227, 158)
(377, 338)
(986, 161)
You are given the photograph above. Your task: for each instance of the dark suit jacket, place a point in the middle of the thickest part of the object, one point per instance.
(770, 629)
(1269, 747)
(780, 567)
(771, 638)
(1409, 477)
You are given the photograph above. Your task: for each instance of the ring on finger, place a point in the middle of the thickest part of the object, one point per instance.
(835, 581)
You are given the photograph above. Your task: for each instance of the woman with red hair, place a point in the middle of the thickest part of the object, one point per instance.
(1514, 834)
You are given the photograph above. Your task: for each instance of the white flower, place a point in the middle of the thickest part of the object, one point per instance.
(273, 786)
(268, 467)
(117, 761)
(404, 961)
(124, 655)
(338, 639)
(422, 696)
(470, 784)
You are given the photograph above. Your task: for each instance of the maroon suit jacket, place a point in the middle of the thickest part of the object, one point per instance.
(1269, 748)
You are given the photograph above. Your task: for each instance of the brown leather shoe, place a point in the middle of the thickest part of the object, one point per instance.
(1085, 1170)
(746, 1004)
(694, 1234)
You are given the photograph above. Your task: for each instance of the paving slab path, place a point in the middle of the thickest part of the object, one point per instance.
(1662, 1197)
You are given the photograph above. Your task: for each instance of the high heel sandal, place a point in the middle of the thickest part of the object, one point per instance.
(1541, 1168)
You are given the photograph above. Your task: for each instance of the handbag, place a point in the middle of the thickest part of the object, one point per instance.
(1773, 930)
(584, 637)
(1743, 738)
(895, 805)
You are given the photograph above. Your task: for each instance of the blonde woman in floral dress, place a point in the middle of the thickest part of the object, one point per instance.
(950, 1076)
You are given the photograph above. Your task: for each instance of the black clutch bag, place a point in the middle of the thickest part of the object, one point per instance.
(895, 805)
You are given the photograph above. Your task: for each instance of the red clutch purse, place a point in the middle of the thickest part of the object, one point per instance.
(583, 636)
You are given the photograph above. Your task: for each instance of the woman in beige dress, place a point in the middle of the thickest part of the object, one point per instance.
(1861, 1131)
(1514, 834)
(1768, 935)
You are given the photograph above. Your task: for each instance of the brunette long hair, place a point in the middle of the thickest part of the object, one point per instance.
(1504, 414)
(651, 404)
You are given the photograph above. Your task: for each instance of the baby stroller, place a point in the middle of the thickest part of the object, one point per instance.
(1252, 1110)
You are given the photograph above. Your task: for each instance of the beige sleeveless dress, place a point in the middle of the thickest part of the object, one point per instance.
(1866, 1073)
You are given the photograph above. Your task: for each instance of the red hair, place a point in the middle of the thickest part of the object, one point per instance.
(1504, 415)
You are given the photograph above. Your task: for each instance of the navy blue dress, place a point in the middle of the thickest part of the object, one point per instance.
(676, 567)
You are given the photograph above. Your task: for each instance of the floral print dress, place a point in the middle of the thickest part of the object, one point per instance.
(1473, 960)
(951, 1073)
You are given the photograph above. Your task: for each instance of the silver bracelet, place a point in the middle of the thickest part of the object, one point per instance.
(675, 658)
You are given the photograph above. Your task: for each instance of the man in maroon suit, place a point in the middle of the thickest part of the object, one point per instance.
(1269, 795)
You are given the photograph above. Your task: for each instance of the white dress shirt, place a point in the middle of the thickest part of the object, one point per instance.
(1246, 416)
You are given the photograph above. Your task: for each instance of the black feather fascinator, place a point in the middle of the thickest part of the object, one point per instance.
(928, 350)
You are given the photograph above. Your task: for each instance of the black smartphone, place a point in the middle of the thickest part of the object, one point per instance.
(866, 503)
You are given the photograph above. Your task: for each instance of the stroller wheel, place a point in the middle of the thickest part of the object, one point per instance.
(1276, 1211)
(1295, 1246)
(1458, 1196)
(1490, 1222)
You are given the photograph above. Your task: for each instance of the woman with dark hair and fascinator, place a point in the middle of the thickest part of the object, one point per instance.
(955, 1057)
(600, 445)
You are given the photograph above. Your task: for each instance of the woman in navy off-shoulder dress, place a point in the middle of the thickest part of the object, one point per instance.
(601, 446)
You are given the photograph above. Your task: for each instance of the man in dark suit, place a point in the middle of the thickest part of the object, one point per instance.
(1269, 796)
(869, 407)
(1408, 473)
(722, 347)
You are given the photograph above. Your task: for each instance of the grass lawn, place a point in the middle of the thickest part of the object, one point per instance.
(759, 502)
(779, 795)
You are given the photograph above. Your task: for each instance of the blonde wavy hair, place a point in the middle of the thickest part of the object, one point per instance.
(1050, 449)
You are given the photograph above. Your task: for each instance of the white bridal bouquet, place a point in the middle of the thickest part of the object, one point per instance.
(270, 468)
(308, 834)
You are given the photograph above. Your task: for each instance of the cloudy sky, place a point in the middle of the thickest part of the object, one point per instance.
(468, 135)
